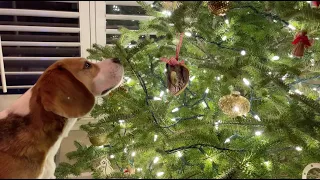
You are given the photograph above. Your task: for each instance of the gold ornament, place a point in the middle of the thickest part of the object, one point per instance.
(129, 170)
(98, 140)
(170, 5)
(219, 8)
(234, 104)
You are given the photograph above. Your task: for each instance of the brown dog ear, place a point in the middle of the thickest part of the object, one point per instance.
(64, 95)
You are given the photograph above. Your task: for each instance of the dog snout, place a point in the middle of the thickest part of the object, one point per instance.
(116, 60)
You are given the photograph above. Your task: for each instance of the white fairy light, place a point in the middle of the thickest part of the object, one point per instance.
(179, 154)
(127, 79)
(156, 98)
(160, 174)
(290, 55)
(243, 52)
(298, 91)
(112, 156)
(204, 104)
(121, 122)
(100, 147)
(218, 78)
(275, 21)
(246, 81)
(200, 118)
(173, 119)
(291, 27)
(312, 62)
(125, 150)
(257, 117)
(171, 24)
(165, 70)
(116, 8)
(298, 148)
(175, 110)
(192, 78)
(284, 77)
(133, 154)
(227, 21)
(236, 109)
(204, 71)
(275, 58)
(207, 91)
(258, 133)
(188, 34)
(155, 138)
(166, 13)
(267, 163)
(224, 38)
(139, 169)
(167, 90)
(269, 73)
(227, 140)
(316, 38)
(161, 93)
(155, 160)
(315, 89)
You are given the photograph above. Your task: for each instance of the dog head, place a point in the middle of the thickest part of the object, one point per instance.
(68, 87)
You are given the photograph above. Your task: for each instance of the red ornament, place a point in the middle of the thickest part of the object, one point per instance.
(301, 42)
(177, 72)
(315, 3)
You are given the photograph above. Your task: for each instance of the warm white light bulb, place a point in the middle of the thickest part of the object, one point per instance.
(298, 148)
(275, 58)
(155, 138)
(207, 91)
(258, 133)
(166, 13)
(236, 109)
(243, 52)
(227, 140)
(179, 154)
(192, 78)
(139, 169)
(284, 77)
(224, 38)
(161, 93)
(175, 110)
(298, 91)
(290, 55)
(257, 117)
(187, 34)
(156, 98)
(125, 150)
(226, 21)
(269, 73)
(291, 27)
(173, 119)
(204, 104)
(133, 154)
(156, 159)
(112, 156)
(160, 174)
(246, 81)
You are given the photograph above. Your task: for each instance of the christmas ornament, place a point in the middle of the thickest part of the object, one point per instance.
(177, 72)
(219, 8)
(301, 42)
(315, 4)
(103, 165)
(170, 5)
(129, 170)
(98, 140)
(234, 104)
(311, 171)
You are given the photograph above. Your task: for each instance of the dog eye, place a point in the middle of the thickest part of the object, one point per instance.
(87, 65)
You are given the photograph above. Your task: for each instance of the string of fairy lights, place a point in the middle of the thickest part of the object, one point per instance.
(246, 82)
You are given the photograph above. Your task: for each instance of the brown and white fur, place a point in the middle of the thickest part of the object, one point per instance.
(32, 128)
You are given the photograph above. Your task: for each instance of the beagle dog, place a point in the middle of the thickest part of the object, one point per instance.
(31, 130)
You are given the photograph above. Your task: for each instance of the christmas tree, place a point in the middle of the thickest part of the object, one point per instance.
(212, 89)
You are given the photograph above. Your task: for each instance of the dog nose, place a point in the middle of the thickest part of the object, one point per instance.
(116, 60)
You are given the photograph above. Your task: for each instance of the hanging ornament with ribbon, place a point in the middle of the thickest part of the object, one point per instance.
(300, 42)
(177, 72)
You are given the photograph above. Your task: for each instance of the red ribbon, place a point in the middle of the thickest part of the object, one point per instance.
(315, 3)
(174, 60)
(302, 38)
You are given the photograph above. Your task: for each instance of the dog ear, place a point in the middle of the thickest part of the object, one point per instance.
(64, 95)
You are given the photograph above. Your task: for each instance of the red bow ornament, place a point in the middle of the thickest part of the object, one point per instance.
(315, 4)
(301, 42)
(177, 72)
